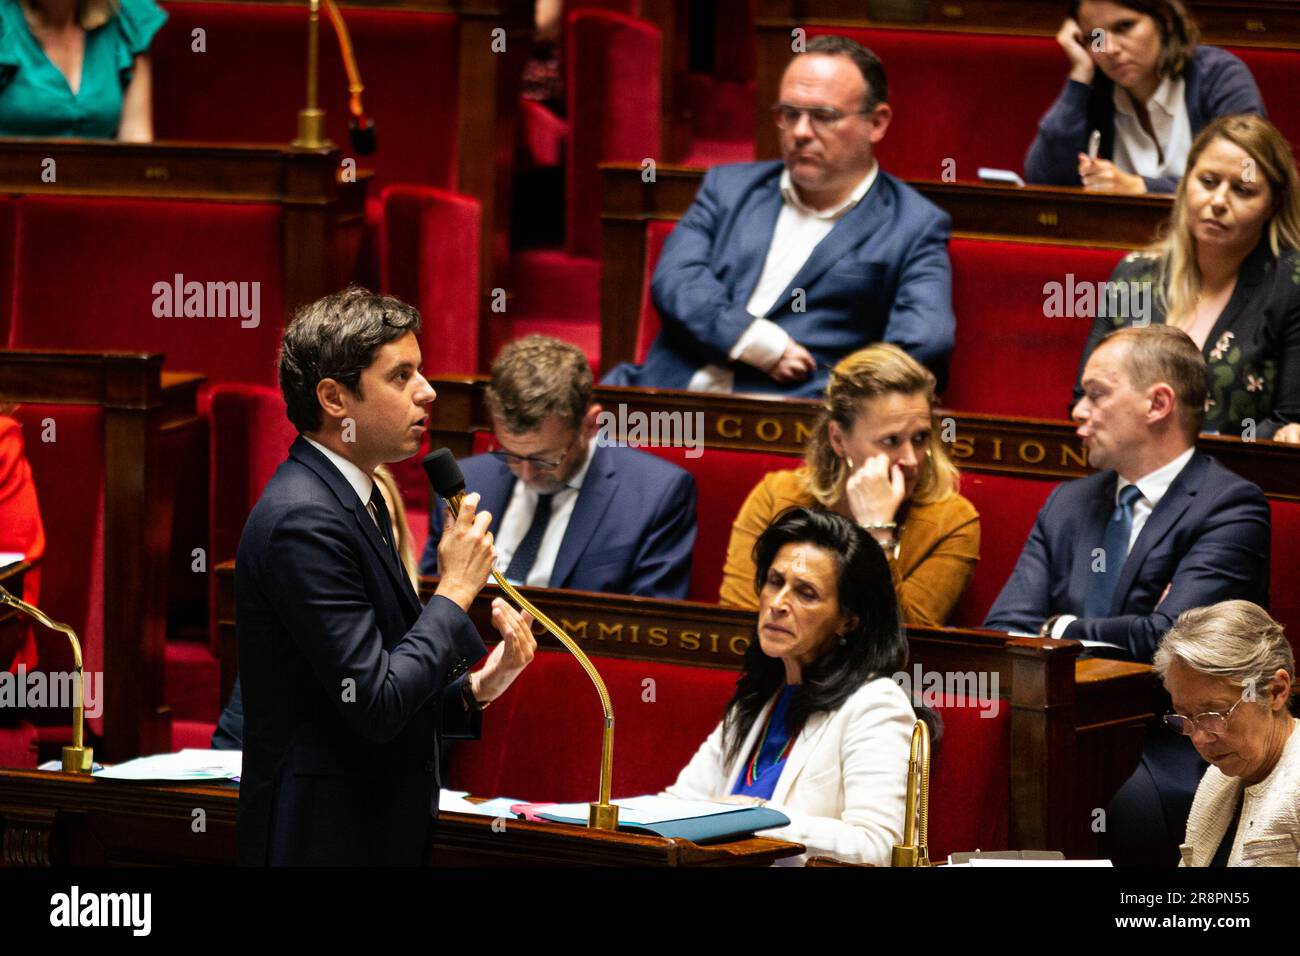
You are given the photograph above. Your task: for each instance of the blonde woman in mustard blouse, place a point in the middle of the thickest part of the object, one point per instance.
(876, 457)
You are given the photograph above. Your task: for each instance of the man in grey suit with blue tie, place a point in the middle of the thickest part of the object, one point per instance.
(780, 269)
(1117, 556)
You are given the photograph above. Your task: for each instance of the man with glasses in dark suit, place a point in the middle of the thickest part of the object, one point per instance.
(570, 511)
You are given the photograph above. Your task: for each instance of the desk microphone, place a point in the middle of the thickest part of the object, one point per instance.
(447, 480)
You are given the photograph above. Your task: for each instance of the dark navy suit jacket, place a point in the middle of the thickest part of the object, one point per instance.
(882, 274)
(1207, 541)
(632, 529)
(347, 681)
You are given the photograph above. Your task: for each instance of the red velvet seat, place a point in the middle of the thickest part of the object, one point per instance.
(541, 740)
(541, 743)
(657, 232)
(970, 777)
(1284, 597)
(952, 97)
(408, 60)
(69, 476)
(85, 270)
(1277, 74)
(723, 480)
(1009, 358)
(1007, 507)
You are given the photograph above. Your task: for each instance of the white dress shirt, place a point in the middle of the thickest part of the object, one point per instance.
(1135, 151)
(1153, 488)
(799, 229)
(519, 516)
(361, 483)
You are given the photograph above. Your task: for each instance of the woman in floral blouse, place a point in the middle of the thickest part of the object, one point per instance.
(1227, 274)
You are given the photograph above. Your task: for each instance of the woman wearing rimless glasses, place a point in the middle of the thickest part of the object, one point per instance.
(1229, 670)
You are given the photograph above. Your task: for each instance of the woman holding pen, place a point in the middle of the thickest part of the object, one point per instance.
(1139, 91)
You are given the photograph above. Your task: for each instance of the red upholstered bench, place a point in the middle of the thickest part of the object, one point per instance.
(409, 61)
(1284, 597)
(541, 742)
(85, 269)
(723, 480)
(69, 477)
(1277, 74)
(1010, 358)
(1007, 507)
(952, 97)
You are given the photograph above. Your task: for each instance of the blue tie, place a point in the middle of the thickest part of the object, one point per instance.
(526, 554)
(1114, 544)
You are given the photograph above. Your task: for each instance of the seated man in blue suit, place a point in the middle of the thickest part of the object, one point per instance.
(348, 684)
(780, 269)
(1117, 556)
(569, 511)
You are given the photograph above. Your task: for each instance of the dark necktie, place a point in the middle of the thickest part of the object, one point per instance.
(378, 509)
(1114, 544)
(526, 554)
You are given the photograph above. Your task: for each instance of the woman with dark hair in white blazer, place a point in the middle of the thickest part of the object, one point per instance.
(817, 728)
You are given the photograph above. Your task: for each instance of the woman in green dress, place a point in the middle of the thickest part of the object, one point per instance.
(1227, 274)
(77, 68)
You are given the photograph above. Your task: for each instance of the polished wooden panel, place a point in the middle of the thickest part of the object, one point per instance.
(58, 819)
(141, 406)
(1039, 214)
(322, 217)
(1027, 447)
(1068, 714)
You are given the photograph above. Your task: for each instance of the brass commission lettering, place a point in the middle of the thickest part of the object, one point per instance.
(728, 426)
(768, 429)
(1032, 452)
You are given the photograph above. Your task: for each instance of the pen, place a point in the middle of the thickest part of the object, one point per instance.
(1094, 144)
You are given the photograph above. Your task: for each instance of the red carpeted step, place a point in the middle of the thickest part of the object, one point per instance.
(192, 734)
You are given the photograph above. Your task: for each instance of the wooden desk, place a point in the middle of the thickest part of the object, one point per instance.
(1039, 214)
(322, 217)
(1077, 725)
(144, 410)
(1027, 447)
(57, 819)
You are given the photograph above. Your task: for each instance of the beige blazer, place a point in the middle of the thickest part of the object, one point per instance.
(1269, 831)
(844, 784)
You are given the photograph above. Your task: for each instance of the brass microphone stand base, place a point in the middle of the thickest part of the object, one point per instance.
(311, 130)
(602, 816)
(78, 759)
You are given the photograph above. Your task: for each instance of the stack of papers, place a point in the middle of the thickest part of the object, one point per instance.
(453, 801)
(187, 766)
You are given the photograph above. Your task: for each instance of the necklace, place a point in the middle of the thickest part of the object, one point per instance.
(751, 772)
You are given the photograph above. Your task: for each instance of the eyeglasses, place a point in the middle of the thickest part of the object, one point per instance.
(541, 464)
(1211, 722)
(821, 117)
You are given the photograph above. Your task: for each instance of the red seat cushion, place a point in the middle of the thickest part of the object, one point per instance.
(69, 475)
(1284, 597)
(1277, 74)
(970, 777)
(408, 61)
(18, 746)
(1010, 358)
(657, 232)
(73, 251)
(1007, 507)
(192, 681)
(541, 740)
(723, 480)
(612, 78)
(952, 99)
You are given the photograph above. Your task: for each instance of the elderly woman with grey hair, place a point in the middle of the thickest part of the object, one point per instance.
(1229, 670)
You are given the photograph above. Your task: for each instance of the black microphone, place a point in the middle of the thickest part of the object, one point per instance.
(445, 477)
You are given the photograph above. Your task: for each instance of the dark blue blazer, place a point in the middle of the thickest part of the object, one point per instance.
(347, 681)
(632, 530)
(882, 274)
(1207, 541)
(1215, 83)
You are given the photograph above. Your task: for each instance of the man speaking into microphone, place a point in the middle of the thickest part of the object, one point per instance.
(348, 683)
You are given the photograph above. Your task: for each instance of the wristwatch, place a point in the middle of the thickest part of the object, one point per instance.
(471, 702)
